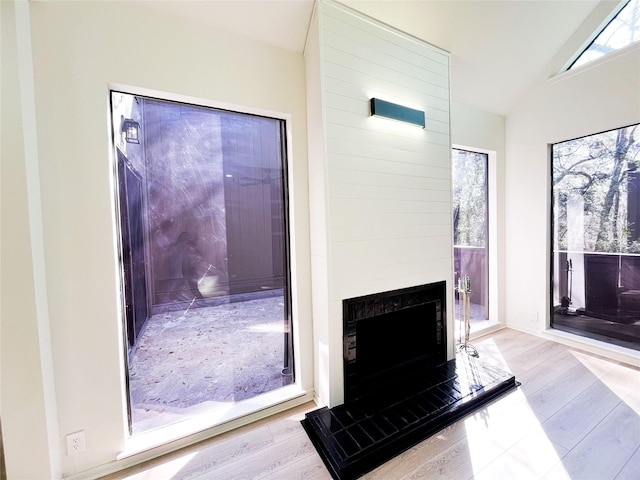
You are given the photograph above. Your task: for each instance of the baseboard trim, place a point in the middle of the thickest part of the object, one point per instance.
(596, 347)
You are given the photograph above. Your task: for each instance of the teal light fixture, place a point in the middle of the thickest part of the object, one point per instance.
(393, 111)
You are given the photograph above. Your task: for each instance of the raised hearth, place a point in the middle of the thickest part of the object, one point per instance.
(355, 438)
(399, 387)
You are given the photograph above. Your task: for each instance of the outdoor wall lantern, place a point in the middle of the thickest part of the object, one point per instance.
(381, 108)
(131, 130)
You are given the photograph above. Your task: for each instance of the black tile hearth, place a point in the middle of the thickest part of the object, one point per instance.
(354, 438)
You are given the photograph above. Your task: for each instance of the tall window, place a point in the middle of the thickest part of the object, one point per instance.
(596, 236)
(202, 209)
(471, 227)
(621, 31)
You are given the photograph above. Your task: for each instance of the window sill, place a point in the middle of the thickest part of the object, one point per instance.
(486, 328)
(156, 442)
(614, 352)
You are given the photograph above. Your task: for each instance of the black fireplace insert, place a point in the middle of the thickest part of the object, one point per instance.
(391, 338)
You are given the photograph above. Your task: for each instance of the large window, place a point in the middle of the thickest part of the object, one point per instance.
(202, 209)
(596, 236)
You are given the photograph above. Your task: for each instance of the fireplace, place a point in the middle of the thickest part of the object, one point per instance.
(390, 338)
(399, 386)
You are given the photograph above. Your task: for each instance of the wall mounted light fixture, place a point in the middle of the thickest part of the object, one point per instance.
(381, 108)
(131, 130)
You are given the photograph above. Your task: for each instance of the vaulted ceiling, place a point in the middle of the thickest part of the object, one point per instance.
(498, 48)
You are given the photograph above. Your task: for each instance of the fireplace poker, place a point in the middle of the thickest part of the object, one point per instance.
(464, 290)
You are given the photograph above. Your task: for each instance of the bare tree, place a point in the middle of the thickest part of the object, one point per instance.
(624, 141)
(596, 168)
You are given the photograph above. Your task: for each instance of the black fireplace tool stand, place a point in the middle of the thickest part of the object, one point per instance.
(355, 438)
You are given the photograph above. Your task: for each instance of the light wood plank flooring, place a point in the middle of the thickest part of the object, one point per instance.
(576, 416)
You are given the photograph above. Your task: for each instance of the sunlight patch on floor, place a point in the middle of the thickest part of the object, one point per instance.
(502, 436)
(519, 432)
(490, 353)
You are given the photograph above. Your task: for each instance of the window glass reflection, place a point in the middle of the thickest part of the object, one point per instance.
(596, 236)
(202, 215)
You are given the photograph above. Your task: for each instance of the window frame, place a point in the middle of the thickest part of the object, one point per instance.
(238, 414)
(495, 317)
(551, 274)
(571, 64)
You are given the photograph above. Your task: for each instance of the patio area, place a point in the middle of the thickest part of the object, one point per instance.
(188, 362)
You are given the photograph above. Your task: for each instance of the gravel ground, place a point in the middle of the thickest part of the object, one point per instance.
(187, 362)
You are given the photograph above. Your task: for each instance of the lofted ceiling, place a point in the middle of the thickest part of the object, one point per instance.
(498, 48)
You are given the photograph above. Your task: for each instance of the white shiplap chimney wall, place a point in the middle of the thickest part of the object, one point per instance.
(380, 191)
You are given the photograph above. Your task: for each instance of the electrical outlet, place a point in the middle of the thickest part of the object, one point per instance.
(75, 443)
(533, 317)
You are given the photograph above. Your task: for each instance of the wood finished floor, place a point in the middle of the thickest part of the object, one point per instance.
(576, 416)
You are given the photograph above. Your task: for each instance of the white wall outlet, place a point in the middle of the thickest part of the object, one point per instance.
(533, 317)
(75, 443)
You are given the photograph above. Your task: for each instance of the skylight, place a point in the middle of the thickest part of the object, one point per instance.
(622, 30)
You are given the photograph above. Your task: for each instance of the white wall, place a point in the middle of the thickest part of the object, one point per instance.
(27, 399)
(594, 98)
(79, 48)
(318, 205)
(381, 190)
(477, 128)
